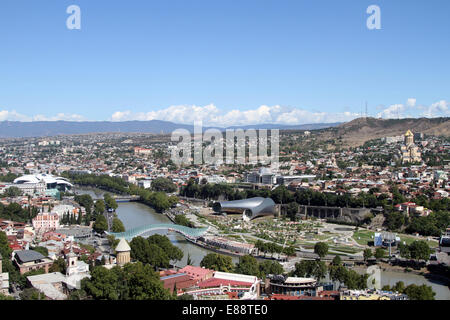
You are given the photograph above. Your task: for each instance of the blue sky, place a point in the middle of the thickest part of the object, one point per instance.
(224, 61)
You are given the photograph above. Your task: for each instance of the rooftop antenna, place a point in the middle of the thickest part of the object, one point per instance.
(366, 109)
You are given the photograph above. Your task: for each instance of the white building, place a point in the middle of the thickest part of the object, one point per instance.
(50, 181)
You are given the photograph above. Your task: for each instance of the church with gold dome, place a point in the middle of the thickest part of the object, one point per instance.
(410, 152)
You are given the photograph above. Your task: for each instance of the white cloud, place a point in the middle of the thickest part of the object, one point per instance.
(59, 116)
(6, 115)
(210, 115)
(13, 116)
(438, 109)
(411, 102)
(393, 111)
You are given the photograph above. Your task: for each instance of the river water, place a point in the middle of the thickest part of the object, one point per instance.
(134, 214)
(391, 278)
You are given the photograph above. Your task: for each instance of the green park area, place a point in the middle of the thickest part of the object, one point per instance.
(363, 237)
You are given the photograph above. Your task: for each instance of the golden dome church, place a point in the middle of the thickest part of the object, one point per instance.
(410, 152)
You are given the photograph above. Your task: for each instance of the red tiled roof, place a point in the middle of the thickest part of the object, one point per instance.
(283, 297)
(314, 298)
(195, 271)
(216, 282)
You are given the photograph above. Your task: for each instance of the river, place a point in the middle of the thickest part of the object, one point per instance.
(135, 214)
(391, 278)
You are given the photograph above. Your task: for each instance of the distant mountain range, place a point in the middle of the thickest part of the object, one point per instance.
(16, 129)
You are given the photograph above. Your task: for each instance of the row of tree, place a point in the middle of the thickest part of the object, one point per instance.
(413, 291)
(135, 281)
(158, 199)
(270, 247)
(247, 265)
(15, 212)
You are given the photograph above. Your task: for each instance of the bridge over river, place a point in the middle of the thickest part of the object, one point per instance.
(191, 233)
(120, 198)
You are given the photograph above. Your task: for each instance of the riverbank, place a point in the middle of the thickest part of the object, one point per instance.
(421, 272)
(390, 276)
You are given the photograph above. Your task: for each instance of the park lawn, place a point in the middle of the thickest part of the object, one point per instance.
(365, 236)
(344, 249)
(250, 240)
(323, 236)
(409, 239)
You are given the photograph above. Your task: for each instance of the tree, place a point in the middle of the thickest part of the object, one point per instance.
(321, 249)
(189, 260)
(99, 207)
(395, 220)
(270, 267)
(247, 265)
(289, 251)
(3, 297)
(100, 224)
(353, 280)
(163, 184)
(78, 295)
(143, 283)
(113, 242)
(102, 285)
(159, 201)
(173, 253)
(404, 251)
(135, 281)
(399, 287)
(292, 210)
(367, 254)
(110, 202)
(217, 262)
(380, 253)
(86, 201)
(149, 253)
(5, 250)
(31, 294)
(419, 250)
(12, 192)
(59, 265)
(338, 273)
(117, 225)
(182, 220)
(337, 261)
(307, 268)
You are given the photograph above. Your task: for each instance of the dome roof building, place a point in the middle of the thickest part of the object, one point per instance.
(123, 246)
(123, 252)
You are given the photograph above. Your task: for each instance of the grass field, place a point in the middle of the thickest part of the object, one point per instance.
(366, 236)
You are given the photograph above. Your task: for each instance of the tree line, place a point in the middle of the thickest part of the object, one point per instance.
(158, 199)
(247, 264)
